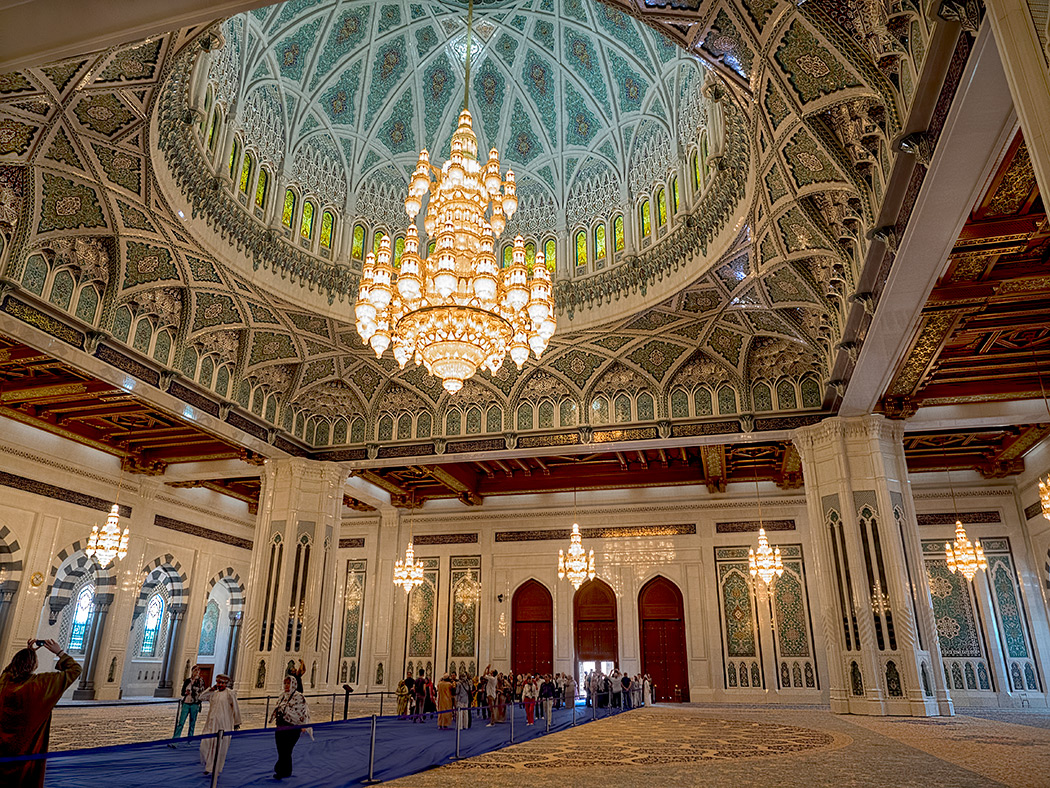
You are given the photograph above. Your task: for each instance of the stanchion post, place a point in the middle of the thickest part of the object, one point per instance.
(574, 711)
(215, 759)
(346, 701)
(549, 713)
(381, 704)
(512, 721)
(372, 755)
(266, 719)
(178, 711)
(456, 715)
(333, 708)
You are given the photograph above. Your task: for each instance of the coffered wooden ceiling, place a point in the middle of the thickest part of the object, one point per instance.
(39, 390)
(985, 330)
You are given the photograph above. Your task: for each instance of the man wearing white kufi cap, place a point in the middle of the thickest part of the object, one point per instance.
(223, 714)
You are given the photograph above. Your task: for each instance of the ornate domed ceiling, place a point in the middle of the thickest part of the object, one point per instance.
(588, 106)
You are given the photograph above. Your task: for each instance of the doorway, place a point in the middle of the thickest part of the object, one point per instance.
(594, 625)
(532, 630)
(583, 668)
(662, 618)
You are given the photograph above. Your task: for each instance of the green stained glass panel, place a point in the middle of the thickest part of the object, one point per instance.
(289, 208)
(261, 187)
(246, 173)
(508, 256)
(377, 240)
(399, 249)
(581, 248)
(618, 233)
(306, 228)
(646, 218)
(530, 255)
(697, 180)
(550, 253)
(234, 158)
(327, 226)
(599, 242)
(661, 207)
(357, 248)
(674, 196)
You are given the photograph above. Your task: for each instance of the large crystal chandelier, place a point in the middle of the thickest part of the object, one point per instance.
(455, 310)
(577, 565)
(408, 573)
(108, 543)
(964, 556)
(765, 563)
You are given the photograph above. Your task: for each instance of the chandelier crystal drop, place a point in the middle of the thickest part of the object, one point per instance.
(577, 565)
(765, 563)
(408, 573)
(108, 543)
(964, 556)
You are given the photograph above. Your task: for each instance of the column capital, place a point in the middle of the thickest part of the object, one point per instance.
(331, 472)
(872, 425)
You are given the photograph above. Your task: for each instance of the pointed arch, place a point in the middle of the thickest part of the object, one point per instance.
(661, 621)
(532, 628)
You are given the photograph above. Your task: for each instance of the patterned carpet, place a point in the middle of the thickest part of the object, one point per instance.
(764, 747)
(670, 739)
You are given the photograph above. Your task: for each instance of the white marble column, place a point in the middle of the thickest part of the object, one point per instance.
(291, 591)
(883, 653)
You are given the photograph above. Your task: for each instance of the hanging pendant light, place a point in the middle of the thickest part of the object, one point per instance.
(764, 563)
(408, 573)
(577, 565)
(1044, 484)
(108, 542)
(456, 310)
(962, 555)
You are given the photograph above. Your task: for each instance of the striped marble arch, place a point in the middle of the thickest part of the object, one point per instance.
(70, 565)
(232, 581)
(164, 569)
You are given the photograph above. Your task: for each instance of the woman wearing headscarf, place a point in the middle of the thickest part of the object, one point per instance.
(26, 701)
(290, 715)
(402, 698)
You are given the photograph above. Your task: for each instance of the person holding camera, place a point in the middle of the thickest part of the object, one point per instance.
(26, 701)
(290, 714)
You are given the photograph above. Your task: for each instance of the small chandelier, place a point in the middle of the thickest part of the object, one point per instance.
(576, 565)
(455, 310)
(964, 556)
(468, 590)
(765, 563)
(408, 573)
(108, 543)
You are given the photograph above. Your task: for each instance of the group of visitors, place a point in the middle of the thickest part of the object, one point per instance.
(618, 690)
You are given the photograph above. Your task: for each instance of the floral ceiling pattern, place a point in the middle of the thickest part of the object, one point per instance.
(88, 231)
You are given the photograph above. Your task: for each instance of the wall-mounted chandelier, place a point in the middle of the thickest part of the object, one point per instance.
(964, 556)
(107, 542)
(455, 310)
(765, 562)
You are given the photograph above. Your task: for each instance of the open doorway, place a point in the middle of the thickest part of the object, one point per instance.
(586, 668)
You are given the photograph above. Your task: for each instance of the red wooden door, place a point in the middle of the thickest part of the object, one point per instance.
(594, 618)
(664, 657)
(532, 629)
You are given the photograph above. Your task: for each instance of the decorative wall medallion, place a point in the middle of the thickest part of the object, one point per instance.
(37, 579)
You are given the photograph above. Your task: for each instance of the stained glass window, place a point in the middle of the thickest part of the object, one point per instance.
(377, 239)
(289, 208)
(213, 130)
(696, 173)
(306, 227)
(81, 617)
(704, 170)
(646, 218)
(209, 628)
(508, 256)
(246, 172)
(661, 207)
(530, 255)
(550, 253)
(261, 188)
(618, 232)
(674, 195)
(154, 615)
(357, 248)
(599, 242)
(234, 158)
(581, 248)
(399, 249)
(327, 228)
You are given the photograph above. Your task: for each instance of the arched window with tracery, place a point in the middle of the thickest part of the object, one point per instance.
(327, 229)
(618, 234)
(83, 607)
(246, 172)
(661, 207)
(645, 213)
(288, 214)
(599, 243)
(357, 245)
(151, 628)
(306, 227)
(235, 157)
(261, 187)
(550, 253)
(213, 129)
(581, 248)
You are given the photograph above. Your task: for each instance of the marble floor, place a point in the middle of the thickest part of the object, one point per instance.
(694, 746)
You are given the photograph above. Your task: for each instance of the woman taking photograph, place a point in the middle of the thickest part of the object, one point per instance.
(290, 714)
